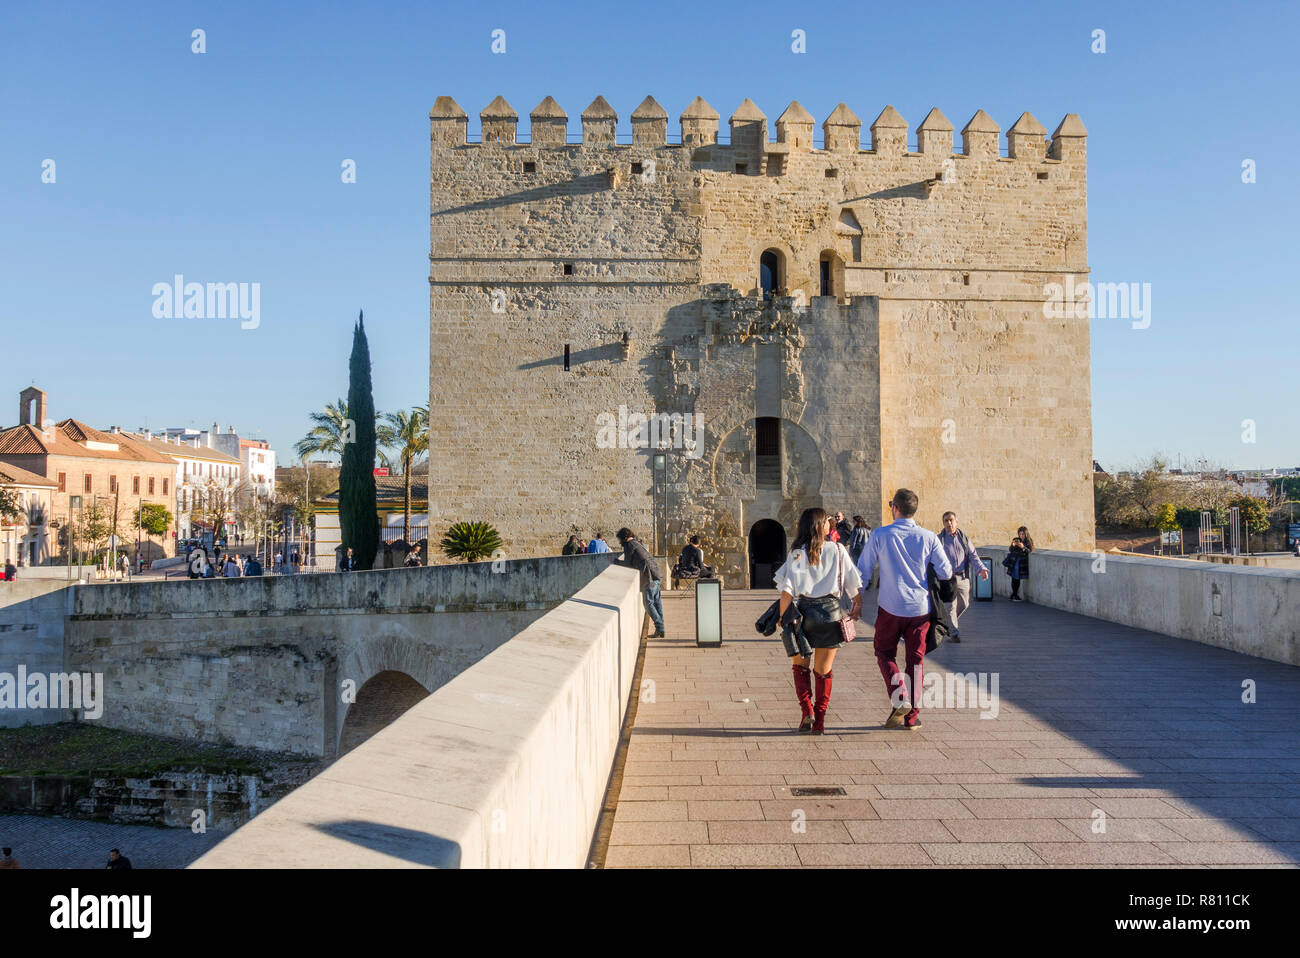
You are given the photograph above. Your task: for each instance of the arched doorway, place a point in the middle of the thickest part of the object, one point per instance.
(766, 552)
(380, 701)
(769, 273)
(830, 278)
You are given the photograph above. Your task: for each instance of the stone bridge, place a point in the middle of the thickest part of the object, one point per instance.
(311, 664)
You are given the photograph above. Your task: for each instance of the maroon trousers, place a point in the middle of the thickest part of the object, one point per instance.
(912, 631)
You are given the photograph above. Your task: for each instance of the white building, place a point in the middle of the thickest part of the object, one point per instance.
(255, 455)
(24, 540)
(201, 471)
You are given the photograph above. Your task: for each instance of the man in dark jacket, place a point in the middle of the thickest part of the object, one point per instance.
(347, 564)
(636, 556)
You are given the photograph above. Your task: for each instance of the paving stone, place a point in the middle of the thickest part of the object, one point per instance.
(657, 833)
(1215, 830)
(1224, 853)
(901, 830)
(1008, 830)
(758, 833)
(1187, 775)
(875, 854)
(721, 811)
(1123, 830)
(1101, 853)
(650, 812)
(818, 808)
(721, 856)
(980, 853)
(647, 856)
(920, 808)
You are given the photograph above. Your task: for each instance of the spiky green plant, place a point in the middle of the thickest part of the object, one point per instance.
(471, 541)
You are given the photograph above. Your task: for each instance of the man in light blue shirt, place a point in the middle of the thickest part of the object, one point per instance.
(903, 550)
(598, 544)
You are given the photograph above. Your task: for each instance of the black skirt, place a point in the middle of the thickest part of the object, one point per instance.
(820, 621)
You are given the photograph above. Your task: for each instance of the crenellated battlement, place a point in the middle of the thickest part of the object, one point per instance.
(841, 131)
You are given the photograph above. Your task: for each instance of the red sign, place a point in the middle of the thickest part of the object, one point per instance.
(381, 470)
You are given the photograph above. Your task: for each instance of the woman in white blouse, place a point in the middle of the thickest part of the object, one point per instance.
(813, 575)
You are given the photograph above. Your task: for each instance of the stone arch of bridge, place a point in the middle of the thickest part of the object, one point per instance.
(390, 652)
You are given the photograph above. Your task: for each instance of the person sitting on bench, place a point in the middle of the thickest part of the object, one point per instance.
(691, 564)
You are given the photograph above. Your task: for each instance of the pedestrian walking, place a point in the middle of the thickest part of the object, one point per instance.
(347, 564)
(964, 560)
(902, 551)
(598, 544)
(124, 566)
(636, 556)
(231, 568)
(11, 571)
(857, 540)
(843, 529)
(7, 860)
(118, 862)
(817, 575)
(277, 565)
(252, 567)
(1016, 562)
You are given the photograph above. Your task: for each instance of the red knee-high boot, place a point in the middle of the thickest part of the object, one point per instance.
(823, 700)
(803, 689)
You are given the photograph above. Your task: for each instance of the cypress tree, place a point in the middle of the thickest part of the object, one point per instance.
(358, 511)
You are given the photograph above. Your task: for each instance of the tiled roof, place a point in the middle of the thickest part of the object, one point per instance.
(67, 438)
(183, 451)
(393, 489)
(13, 476)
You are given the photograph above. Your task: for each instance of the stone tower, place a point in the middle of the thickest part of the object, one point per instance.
(705, 337)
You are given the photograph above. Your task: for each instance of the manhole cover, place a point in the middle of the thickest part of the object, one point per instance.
(806, 791)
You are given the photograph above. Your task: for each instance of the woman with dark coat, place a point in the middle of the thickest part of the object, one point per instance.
(1017, 565)
(814, 573)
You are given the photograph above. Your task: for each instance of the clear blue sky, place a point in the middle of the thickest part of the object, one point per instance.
(225, 167)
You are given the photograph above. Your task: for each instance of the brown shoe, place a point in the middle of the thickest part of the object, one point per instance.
(896, 716)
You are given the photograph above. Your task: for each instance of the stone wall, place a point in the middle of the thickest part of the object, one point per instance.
(504, 767)
(275, 662)
(1249, 610)
(164, 798)
(930, 365)
(32, 615)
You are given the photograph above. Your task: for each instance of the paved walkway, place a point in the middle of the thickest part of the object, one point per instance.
(1099, 726)
(43, 842)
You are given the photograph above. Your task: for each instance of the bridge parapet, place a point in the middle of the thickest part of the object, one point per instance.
(504, 766)
(1244, 609)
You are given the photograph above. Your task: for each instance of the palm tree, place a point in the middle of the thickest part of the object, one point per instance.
(329, 433)
(408, 434)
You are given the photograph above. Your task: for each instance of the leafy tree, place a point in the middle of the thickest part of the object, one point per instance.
(1254, 513)
(1167, 518)
(94, 527)
(358, 510)
(9, 507)
(471, 541)
(1187, 518)
(153, 519)
(330, 433)
(1149, 489)
(408, 434)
